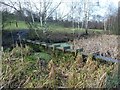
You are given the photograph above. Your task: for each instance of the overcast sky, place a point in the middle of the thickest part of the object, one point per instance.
(64, 7)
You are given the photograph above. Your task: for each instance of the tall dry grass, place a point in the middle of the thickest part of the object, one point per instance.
(71, 73)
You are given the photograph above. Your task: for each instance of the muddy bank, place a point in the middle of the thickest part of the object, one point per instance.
(56, 37)
(9, 38)
(50, 36)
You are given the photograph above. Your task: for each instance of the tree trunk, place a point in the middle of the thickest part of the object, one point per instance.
(86, 15)
(86, 27)
(78, 25)
(32, 14)
(45, 18)
(40, 15)
(32, 18)
(104, 25)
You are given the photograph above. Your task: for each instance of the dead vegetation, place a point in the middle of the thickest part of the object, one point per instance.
(106, 45)
(68, 74)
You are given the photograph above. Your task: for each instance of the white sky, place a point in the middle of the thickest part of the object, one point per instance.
(101, 10)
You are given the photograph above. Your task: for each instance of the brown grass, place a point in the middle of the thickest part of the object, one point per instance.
(66, 73)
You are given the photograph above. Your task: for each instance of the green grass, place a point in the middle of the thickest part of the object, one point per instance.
(58, 28)
(41, 55)
(21, 25)
(50, 27)
(71, 30)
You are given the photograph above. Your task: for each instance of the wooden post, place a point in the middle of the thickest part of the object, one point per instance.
(54, 46)
(16, 23)
(63, 49)
(47, 45)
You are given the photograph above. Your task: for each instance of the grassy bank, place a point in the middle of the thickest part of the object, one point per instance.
(50, 27)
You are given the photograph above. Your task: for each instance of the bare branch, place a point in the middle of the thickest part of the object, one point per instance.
(54, 8)
(9, 5)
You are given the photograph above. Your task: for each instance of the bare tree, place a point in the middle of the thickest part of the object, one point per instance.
(86, 15)
(40, 14)
(104, 21)
(42, 10)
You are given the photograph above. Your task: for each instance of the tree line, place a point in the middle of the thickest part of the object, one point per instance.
(44, 14)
